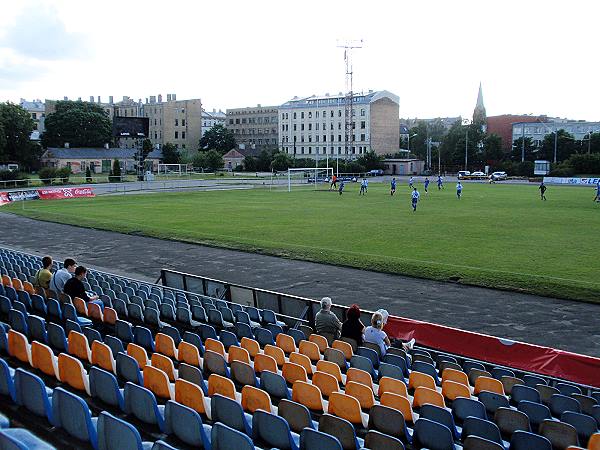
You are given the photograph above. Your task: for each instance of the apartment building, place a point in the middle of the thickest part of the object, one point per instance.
(254, 127)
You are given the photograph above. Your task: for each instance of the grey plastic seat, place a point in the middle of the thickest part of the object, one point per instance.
(389, 421)
(440, 415)
(243, 373)
(466, 407)
(499, 372)
(568, 389)
(492, 401)
(546, 392)
(336, 356)
(124, 331)
(342, 429)
(522, 392)
(56, 337)
(215, 363)
(560, 434)
(375, 439)
(128, 369)
(115, 344)
(584, 424)
(559, 403)
(275, 385)
(37, 329)
(193, 375)
(273, 431)
(135, 312)
(523, 440)
(536, 412)
(297, 415)
(312, 439)
(432, 435)
(186, 424)
(510, 420)
(479, 443)
(473, 426)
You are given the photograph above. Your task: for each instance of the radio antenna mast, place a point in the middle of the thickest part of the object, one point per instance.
(348, 47)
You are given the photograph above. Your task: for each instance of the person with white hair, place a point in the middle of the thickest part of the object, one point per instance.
(405, 345)
(326, 321)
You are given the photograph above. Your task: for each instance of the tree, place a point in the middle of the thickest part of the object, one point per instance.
(211, 160)
(370, 161)
(250, 164)
(454, 142)
(81, 124)
(115, 173)
(282, 161)
(217, 138)
(523, 146)
(15, 144)
(492, 148)
(565, 146)
(170, 154)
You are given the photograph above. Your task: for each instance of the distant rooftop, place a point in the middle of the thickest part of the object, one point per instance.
(339, 99)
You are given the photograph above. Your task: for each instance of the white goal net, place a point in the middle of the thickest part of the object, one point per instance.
(313, 176)
(174, 169)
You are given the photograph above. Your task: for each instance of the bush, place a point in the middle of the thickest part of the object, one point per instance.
(562, 170)
(14, 179)
(47, 174)
(63, 174)
(88, 175)
(115, 173)
(585, 164)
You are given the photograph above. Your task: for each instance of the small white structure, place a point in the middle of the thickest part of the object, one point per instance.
(541, 167)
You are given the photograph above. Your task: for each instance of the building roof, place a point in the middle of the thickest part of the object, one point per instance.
(233, 154)
(35, 105)
(213, 114)
(359, 98)
(96, 153)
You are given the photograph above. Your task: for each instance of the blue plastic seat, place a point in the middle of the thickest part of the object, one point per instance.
(215, 318)
(473, 426)
(92, 335)
(398, 361)
(104, 386)
(5, 305)
(152, 316)
(186, 424)
(533, 380)
(228, 339)
(243, 330)
(17, 321)
(584, 424)
(227, 438)
(195, 340)
(440, 415)
(432, 435)
(243, 317)
(263, 336)
(124, 331)
(143, 337)
(198, 313)
(298, 335)
(391, 371)
(208, 331)
(465, 407)
(19, 306)
(69, 312)
(135, 312)
(115, 344)
(363, 363)
(38, 305)
(524, 440)
(56, 337)
(71, 325)
(119, 305)
(37, 329)
(468, 365)
(274, 329)
(72, 414)
(117, 434)
(499, 372)
(492, 401)
(3, 338)
(312, 439)
(32, 393)
(227, 315)
(11, 293)
(193, 375)
(521, 392)
(273, 431)
(173, 332)
(559, 403)
(7, 386)
(536, 412)
(568, 389)
(21, 439)
(370, 354)
(268, 317)
(128, 369)
(230, 412)
(141, 403)
(423, 367)
(23, 297)
(54, 309)
(275, 385)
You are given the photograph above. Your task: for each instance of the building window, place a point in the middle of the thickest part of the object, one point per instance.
(302, 115)
(183, 122)
(294, 115)
(309, 150)
(363, 124)
(183, 135)
(230, 121)
(331, 113)
(309, 126)
(237, 121)
(339, 113)
(362, 113)
(176, 134)
(339, 138)
(302, 127)
(362, 137)
(302, 150)
(243, 120)
(294, 127)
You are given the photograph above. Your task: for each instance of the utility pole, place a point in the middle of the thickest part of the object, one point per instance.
(348, 46)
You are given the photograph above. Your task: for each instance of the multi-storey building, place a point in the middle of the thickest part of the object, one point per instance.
(37, 109)
(536, 131)
(210, 119)
(254, 127)
(313, 126)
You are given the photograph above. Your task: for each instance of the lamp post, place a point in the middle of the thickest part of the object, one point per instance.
(466, 122)
(409, 136)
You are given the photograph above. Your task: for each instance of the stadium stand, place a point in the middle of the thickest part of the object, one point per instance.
(160, 368)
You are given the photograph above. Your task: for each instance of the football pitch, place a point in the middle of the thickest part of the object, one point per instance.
(500, 236)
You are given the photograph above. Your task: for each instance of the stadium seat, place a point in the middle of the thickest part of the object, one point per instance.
(466, 407)
(218, 384)
(362, 363)
(559, 403)
(124, 331)
(79, 347)
(297, 415)
(321, 341)
(560, 434)
(21, 439)
(165, 345)
(440, 415)
(483, 383)
(104, 386)
(432, 435)
(139, 353)
(71, 371)
(594, 443)
(37, 329)
(142, 336)
(473, 426)
(342, 430)
(308, 395)
(344, 347)
(336, 356)
(492, 401)
(587, 403)
(302, 360)
(389, 421)
(70, 313)
(226, 438)
(192, 396)
(102, 356)
(72, 414)
(243, 374)
(116, 434)
(568, 389)
(94, 312)
(522, 392)
(158, 382)
(141, 403)
(331, 369)
(275, 385)
(452, 390)
(479, 443)
(400, 403)
(425, 395)
(546, 392)
(523, 440)
(536, 412)
(110, 316)
(186, 424)
(393, 385)
(254, 399)
(7, 387)
(31, 392)
(456, 376)
(312, 439)
(230, 412)
(273, 431)
(43, 359)
(189, 354)
(128, 369)
(214, 345)
(375, 439)
(510, 420)
(195, 340)
(359, 376)
(398, 361)
(298, 336)
(264, 362)
(326, 382)
(286, 343)
(236, 353)
(18, 346)
(584, 424)
(293, 372)
(165, 364)
(429, 369)
(215, 363)
(362, 393)
(347, 407)
(310, 349)
(420, 379)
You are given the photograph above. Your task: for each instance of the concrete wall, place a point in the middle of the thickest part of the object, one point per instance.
(385, 126)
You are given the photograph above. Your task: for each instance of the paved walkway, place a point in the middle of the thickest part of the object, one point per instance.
(551, 322)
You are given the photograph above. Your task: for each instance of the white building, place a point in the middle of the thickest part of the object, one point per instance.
(313, 126)
(210, 119)
(579, 129)
(37, 109)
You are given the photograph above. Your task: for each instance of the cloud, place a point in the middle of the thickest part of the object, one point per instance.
(39, 33)
(15, 70)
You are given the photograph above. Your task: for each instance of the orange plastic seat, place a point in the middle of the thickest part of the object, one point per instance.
(594, 442)
(251, 345)
(188, 353)
(398, 402)
(6, 280)
(158, 382)
(80, 306)
(309, 395)
(331, 368)
(71, 371)
(238, 354)
(138, 353)
(17, 284)
(264, 362)
(455, 375)
(110, 316)
(43, 359)
(359, 376)
(362, 393)
(214, 346)
(191, 395)
(18, 346)
(488, 384)
(254, 398)
(78, 346)
(321, 341)
(103, 357)
(285, 342)
(452, 390)
(165, 344)
(326, 382)
(276, 353)
(387, 384)
(303, 360)
(418, 379)
(310, 349)
(347, 407)
(95, 312)
(165, 364)
(344, 347)
(425, 395)
(218, 384)
(28, 287)
(293, 372)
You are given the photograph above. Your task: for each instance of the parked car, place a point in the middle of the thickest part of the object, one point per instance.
(462, 174)
(498, 176)
(375, 172)
(478, 175)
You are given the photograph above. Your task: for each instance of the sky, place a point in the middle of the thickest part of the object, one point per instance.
(532, 57)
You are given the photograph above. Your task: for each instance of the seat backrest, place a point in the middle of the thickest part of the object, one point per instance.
(243, 373)
(387, 384)
(274, 384)
(307, 394)
(218, 384)
(425, 395)
(523, 440)
(229, 412)
(584, 424)
(465, 407)
(568, 389)
(398, 402)
(143, 337)
(272, 430)
(302, 360)
(546, 392)
(139, 353)
(43, 359)
(439, 415)
(186, 424)
(321, 341)
(297, 415)
(207, 331)
(214, 345)
(264, 362)
(360, 362)
(483, 383)
(236, 353)
(158, 382)
(387, 420)
(432, 435)
(452, 390)
(360, 376)
(375, 439)
(31, 393)
(521, 392)
(331, 368)
(71, 413)
(188, 353)
(226, 438)
(104, 385)
(476, 373)
(71, 371)
(141, 403)
(115, 433)
(479, 443)
(165, 364)
(418, 379)
(310, 349)
(286, 343)
(190, 394)
(228, 339)
(312, 439)
(336, 356)
(326, 382)
(293, 372)
(346, 407)
(251, 345)
(427, 368)
(37, 329)
(473, 426)
(492, 401)
(560, 403)
(254, 398)
(128, 369)
(215, 363)
(165, 344)
(457, 376)
(339, 428)
(78, 346)
(364, 394)
(510, 382)
(345, 347)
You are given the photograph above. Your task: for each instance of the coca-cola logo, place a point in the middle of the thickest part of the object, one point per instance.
(67, 193)
(86, 191)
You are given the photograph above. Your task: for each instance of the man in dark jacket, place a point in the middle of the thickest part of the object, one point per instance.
(74, 287)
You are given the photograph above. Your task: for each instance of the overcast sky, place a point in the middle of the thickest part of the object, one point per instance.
(531, 56)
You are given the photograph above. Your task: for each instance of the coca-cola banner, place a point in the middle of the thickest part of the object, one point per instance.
(59, 193)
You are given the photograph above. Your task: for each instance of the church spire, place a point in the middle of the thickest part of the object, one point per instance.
(479, 115)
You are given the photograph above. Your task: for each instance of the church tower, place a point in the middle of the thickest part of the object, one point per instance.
(479, 115)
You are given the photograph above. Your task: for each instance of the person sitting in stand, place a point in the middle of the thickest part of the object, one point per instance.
(41, 281)
(406, 346)
(326, 321)
(61, 276)
(353, 328)
(75, 288)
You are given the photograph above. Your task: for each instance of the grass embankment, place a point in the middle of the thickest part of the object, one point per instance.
(499, 236)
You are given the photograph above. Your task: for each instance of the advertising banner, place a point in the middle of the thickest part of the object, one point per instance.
(45, 194)
(581, 181)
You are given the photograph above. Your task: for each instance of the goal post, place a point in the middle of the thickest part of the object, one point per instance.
(309, 175)
(173, 169)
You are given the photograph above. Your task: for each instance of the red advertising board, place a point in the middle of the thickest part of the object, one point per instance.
(61, 193)
(4, 198)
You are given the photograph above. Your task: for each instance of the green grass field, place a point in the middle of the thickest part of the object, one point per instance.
(498, 235)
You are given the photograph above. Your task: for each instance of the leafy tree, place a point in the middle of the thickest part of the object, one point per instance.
(250, 164)
(458, 137)
(264, 160)
(81, 124)
(115, 173)
(211, 160)
(217, 138)
(16, 126)
(531, 152)
(565, 146)
(492, 148)
(88, 175)
(282, 161)
(370, 161)
(590, 142)
(585, 164)
(170, 154)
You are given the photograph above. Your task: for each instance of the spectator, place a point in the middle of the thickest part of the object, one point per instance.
(326, 321)
(57, 284)
(353, 328)
(375, 334)
(42, 278)
(405, 345)
(74, 287)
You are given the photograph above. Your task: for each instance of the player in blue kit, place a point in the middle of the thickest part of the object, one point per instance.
(458, 190)
(597, 198)
(411, 182)
(426, 184)
(415, 198)
(440, 182)
(393, 186)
